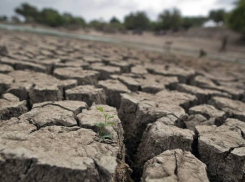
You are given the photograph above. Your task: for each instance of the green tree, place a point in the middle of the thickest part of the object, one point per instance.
(3, 18)
(236, 19)
(97, 24)
(51, 17)
(217, 15)
(170, 20)
(137, 20)
(30, 13)
(114, 20)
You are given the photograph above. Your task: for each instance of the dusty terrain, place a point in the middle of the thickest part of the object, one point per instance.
(188, 42)
(175, 118)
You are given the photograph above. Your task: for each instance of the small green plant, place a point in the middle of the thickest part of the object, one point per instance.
(102, 125)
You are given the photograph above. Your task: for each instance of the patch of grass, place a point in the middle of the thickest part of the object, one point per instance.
(102, 125)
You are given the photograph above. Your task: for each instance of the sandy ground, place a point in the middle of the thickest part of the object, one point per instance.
(181, 44)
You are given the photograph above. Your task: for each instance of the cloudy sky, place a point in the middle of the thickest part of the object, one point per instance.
(105, 9)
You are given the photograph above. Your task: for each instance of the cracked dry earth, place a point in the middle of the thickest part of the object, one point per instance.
(176, 118)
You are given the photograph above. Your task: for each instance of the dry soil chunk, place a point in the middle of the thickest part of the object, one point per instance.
(87, 93)
(3, 51)
(231, 107)
(91, 59)
(113, 90)
(54, 113)
(166, 81)
(5, 68)
(130, 82)
(204, 82)
(5, 82)
(56, 153)
(39, 87)
(23, 65)
(105, 71)
(123, 65)
(68, 84)
(139, 109)
(159, 137)
(177, 98)
(197, 119)
(222, 149)
(209, 112)
(43, 93)
(83, 77)
(88, 119)
(10, 106)
(183, 74)
(139, 69)
(175, 165)
(203, 95)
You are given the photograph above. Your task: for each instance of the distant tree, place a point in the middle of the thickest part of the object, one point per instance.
(3, 18)
(67, 17)
(170, 20)
(97, 24)
(138, 20)
(30, 13)
(73, 22)
(236, 19)
(217, 15)
(51, 17)
(114, 20)
(78, 21)
(188, 22)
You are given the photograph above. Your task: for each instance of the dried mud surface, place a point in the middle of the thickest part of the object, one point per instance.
(176, 118)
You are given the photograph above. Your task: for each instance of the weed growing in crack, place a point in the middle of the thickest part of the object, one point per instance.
(102, 125)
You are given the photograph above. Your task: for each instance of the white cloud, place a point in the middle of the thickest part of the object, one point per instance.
(94, 9)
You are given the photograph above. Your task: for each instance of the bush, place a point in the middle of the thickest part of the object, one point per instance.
(236, 19)
(217, 15)
(137, 21)
(170, 20)
(49, 17)
(30, 13)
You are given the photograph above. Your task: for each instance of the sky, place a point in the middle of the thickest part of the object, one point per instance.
(105, 9)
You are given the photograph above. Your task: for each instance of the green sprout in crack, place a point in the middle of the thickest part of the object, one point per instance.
(102, 125)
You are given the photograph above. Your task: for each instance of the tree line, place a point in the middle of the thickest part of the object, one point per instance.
(168, 20)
